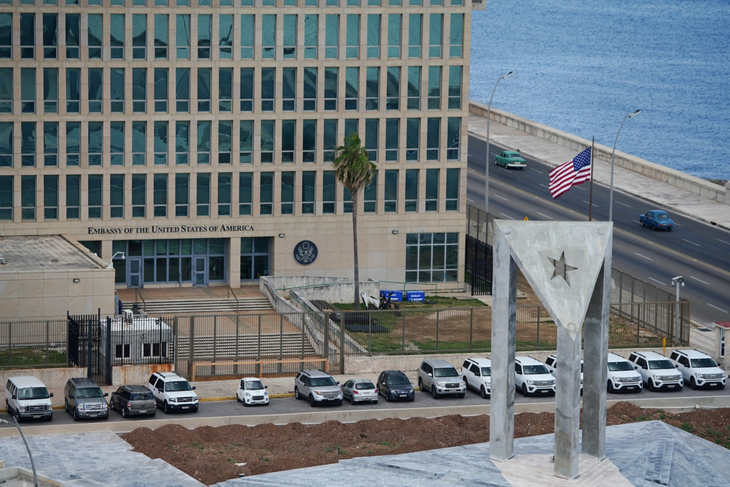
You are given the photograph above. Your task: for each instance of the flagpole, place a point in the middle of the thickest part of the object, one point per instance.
(590, 203)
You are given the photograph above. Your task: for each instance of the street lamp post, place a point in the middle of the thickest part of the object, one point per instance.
(677, 282)
(111, 261)
(30, 455)
(486, 168)
(613, 154)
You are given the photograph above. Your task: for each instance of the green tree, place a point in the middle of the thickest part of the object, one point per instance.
(354, 170)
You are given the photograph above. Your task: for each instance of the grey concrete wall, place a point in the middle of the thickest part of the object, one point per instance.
(652, 170)
(332, 289)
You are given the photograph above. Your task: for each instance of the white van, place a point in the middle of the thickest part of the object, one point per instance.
(26, 397)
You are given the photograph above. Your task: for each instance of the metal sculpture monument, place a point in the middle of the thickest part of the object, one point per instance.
(568, 266)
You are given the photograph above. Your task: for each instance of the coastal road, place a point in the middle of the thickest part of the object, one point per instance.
(695, 250)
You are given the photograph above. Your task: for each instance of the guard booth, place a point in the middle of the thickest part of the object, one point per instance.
(130, 339)
(721, 329)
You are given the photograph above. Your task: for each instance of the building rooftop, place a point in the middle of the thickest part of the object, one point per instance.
(45, 253)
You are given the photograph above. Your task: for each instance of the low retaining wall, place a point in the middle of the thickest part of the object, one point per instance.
(651, 170)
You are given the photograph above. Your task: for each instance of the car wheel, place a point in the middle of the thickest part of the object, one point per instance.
(311, 401)
(166, 408)
(245, 404)
(462, 395)
(434, 393)
(296, 394)
(106, 417)
(49, 418)
(17, 416)
(124, 412)
(238, 399)
(75, 415)
(339, 403)
(650, 385)
(643, 224)
(483, 392)
(420, 384)
(610, 387)
(669, 229)
(65, 406)
(387, 396)
(692, 383)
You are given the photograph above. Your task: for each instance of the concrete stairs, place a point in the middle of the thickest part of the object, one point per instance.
(230, 347)
(201, 306)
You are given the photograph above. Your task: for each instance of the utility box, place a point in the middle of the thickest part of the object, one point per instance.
(415, 296)
(394, 295)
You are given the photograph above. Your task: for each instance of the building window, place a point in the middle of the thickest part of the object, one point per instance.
(27, 143)
(288, 140)
(96, 34)
(433, 139)
(331, 36)
(392, 136)
(289, 89)
(352, 36)
(435, 35)
(182, 90)
(311, 35)
(352, 87)
(182, 193)
(392, 94)
(372, 88)
(27, 36)
(116, 195)
(371, 137)
(411, 189)
(287, 192)
(456, 38)
(453, 130)
(95, 139)
(309, 140)
(6, 35)
(6, 90)
(139, 143)
(254, 257)
(159, 196)
(268, 36)
(415, 26)
(182, 35)
(247, 36)
(432, 190)
(268, 89)
(329, 139)
(245, 142)
(370, 195)
(204, 128)
(116, 77)
(139, 90)
(139, 195)
(73, 143)
(434, 87)
(73, 36)
(245, 193)
(432, 257)
(225, 36)
(160, 143)
(116, 143)
(329, 192)
(290, 37)
(414, 88)
(205, 23)
(27, 90)
(309, 102)
(50, 36)
(182, 143)
(50, 90)
(73, 197)
(266, 193)
(161, 89)
(309, 179)
(455, 87)
(96, 89)
(225, 89)
(50, 144)
(390, 195)
(204, 80)
(373, 36)
(224, 194)
(413, 135)
(246, 89)
(6, 144)
(116, 36)
(139, 36)
(394, 35)
(267, 141)
(95, 197)
(452, 189)
(225, 135)
(6, 197)
(50, 197)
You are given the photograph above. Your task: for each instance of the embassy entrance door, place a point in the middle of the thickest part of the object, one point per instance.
(134, 272)
(200, 271)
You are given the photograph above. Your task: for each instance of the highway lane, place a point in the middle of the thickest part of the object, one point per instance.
(281, 407)
(695, 250)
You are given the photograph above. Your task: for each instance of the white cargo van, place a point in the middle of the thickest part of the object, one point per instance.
(26, 397)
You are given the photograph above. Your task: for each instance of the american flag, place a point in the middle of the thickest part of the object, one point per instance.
(570, 173)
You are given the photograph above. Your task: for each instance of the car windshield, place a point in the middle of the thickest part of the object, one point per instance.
(619, 366)
(660, 364)
(254, 385)
(534, 369)
(486, 371)
(177, 385)
(323, 381)
(364, 386)
(662, 216)
(398, 380)
(142, 396)
(701, 363)
(89, 392)
(445, 372)
(33, 393)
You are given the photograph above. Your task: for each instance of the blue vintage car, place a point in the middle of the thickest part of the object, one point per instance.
(656, 220)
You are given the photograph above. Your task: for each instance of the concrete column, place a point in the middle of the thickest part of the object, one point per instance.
(504, 305)
(567, 405)
(595, 365)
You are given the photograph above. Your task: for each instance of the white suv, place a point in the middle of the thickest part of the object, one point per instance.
(622, 376)
(533, 377)
(657, 371)
(477, 374)
(172, 392)
(698, 369)
(552, 364)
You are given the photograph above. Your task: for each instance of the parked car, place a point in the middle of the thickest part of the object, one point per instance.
(360, 390)
(440, 378)
(133, 400)
(698, 369)
(84, 399)
(252, 391)
(657, 371)
(509, 159)
(317, 386)
(477, 374)
(394, 385)
(532, 377)
(656, 220)
(622, 376)
(172, 392)
(26, 397)
(552, 364)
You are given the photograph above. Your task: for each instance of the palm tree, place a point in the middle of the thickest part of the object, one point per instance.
(354, 170)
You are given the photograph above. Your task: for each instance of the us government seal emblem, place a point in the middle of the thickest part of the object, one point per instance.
(305, 252)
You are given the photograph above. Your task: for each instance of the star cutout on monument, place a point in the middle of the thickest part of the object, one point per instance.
(561, 268)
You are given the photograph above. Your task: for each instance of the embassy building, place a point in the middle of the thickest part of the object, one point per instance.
(197, 136)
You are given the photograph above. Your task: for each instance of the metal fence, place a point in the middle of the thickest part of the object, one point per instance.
(33, 344)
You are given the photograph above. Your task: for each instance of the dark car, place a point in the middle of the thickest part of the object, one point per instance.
(394, 385)
(133, 400)
(656, 220)
(83, 398)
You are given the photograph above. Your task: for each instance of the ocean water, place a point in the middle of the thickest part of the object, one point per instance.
(581, 65)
